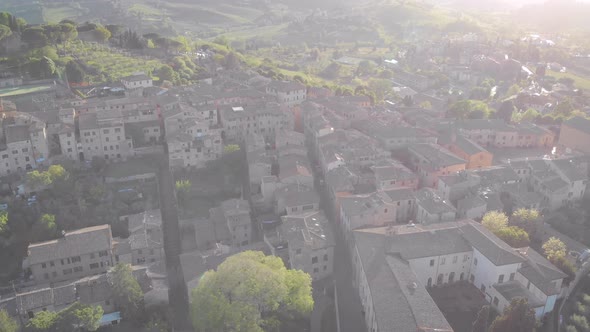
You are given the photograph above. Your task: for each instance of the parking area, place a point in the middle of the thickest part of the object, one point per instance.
(460, 303)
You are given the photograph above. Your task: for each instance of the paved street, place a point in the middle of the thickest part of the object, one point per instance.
(349, 304)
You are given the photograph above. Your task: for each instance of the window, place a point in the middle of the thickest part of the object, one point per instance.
(140, 260)
(455, 258)
(62, 262)
(511, 276)
(67, 271)
(496, 301)
(107, 302)
(475, 261)
(43, 265)
(483, 288)
(432, 262)
(314, 259)
(51, 263)
(443, 261)
(528, 285)
(76, 259)
(298, 251)
(94, 266)
(315, 270)
(92, 256)
(385, 211)
(151, 251)
(325, 267)
(139, 252)
(78, 269)
(500, 278)
(106, 131)
(46, 276)
(54, 274)
(325, 257)
(102, 253)
(4, 156)
(465, 257)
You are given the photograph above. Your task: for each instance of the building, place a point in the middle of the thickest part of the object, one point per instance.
(433, 209)
(475, 155)
(232, 222)
(266, 119)
(137, 81)
(390, 174)
(288, 93)
(310, 243)
(394, 206)
(194, 146)
(292, 199)
(146, 239)
(574, 134)
(392, 262)
(104, 138)
(80, 253)
(67, 142)
(431, 161)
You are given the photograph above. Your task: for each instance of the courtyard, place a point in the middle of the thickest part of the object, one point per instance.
(459, 302)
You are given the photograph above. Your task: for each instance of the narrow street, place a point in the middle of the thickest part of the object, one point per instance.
(349, 304)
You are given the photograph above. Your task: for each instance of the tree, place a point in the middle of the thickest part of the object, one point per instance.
(564, 108)
(495, 221)
(481, 322)
(57, 173)
(517, 317)
(571, 328)
(231, 148)
(527, 219)
(76, 317)
(4, 32)
(469, 109)
(101, 33)
(167, 73)
(381, 87)
(365, 67)
(249, 292)
(48, 222)
(34, 36)
(38, 180)
(231, 61)
(3, 222)
(514, 236)
(554, 248)
(513, 90)
(505, 111)
(127, 292)
(425, 105)
(581, 322)
(75, 72)
(7, 324)
(567, 267)
(183, 187)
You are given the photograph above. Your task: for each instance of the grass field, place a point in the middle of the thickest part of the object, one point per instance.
(113, 65)
(58, 13)
(579, 81)
(21, 90)
(267, 32)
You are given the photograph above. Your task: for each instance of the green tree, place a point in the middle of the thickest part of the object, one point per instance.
(76, 317)
(35, 36)
(566, 267)
(75, 72)
(517, 317)
(425, 105)
(249, 292)
(527, 219)
(495, 221)
(554, 248)
(571, 328)
(513, 90)
(4, 32)
(530, 115)
(183, 188)
(38, 180)
(469, 109)
(514, 236)
(580, 322)
(481, 322)
(127, 292)
(101, 33)
(231, 61)
(7, 324)
(3, 222)
(57, 173)
(365, 67)
(48, 222)
(231, 148)
(564, 108)
(167, 73)
(381, 87)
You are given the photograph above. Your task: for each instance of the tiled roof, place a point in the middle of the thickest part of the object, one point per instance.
(83, 241)
(513, 289)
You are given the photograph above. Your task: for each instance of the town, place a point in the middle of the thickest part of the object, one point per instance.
(447, 191)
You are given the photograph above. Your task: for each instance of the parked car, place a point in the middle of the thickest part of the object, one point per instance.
(584, 255)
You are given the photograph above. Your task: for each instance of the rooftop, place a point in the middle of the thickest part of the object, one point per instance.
(82, 241)
(432, 203)
(309, 229)
(437, 156)
(513, 289)
(17, 133)
(577, 123)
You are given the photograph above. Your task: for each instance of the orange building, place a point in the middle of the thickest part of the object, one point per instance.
(475, 155)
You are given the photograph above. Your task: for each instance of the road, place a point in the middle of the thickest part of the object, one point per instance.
(349, 303)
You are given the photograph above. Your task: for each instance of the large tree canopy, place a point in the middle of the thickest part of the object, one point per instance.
(248, 292)
(517, 317)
